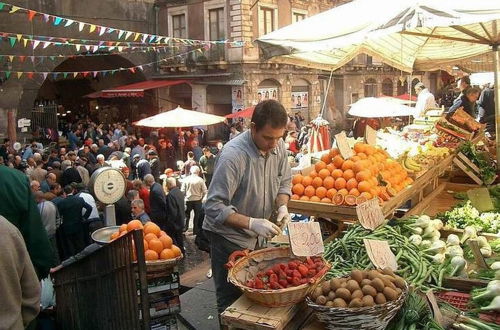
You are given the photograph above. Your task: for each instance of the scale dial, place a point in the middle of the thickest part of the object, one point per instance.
(108, 185)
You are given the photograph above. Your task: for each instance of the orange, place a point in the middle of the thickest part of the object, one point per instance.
(297, 178)
(351, 183)
(298, 189)
(329, 182)
(177, 251)
(114, 235)
(334, 152)
(306, 181)
(337, 173)
(152, 227)
(358, 166)
(319, 166)
(150, 236)
(295, 197)
(366, 195)
(359, 147)
(340, 183)
(338, 199)
(373, 181)
(354, 192)
(350, 200)
(338, 161)
(123, 227)
(331, 192)
(362, 155)
(162, 233)
(151, 255)
(166, 241)
(348, 174)
(146, 245)
(313, 174)
(321, 192)
(363, 176)
(315, 199)
(348, 164)
(370, 150)
(364, 186)
(134, 224)
(326, 158)
(355, 158)
(323, 173)
(343, 192)
(374, 191)
(167, 254)
(317, 182)
(304, 198)
(326, 200)
(330, 167)
(309, 191)
(155, 245)
(123, 233)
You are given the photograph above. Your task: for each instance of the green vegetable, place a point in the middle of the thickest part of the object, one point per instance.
(486, 168)
(466, 216)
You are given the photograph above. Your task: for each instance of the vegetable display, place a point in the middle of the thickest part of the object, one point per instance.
(486, 169)
(467, 215)
(360, 289)
(348, 253)
(415, 314)
(286, 275)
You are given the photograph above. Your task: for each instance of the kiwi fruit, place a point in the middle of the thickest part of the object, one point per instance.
(357, 275)
(325, 287)
(387, 282)
(399, 282)
(356, 303)
(321, 300)
(372, 274)
(390, 294)
(380, 299)
(331, 295)
(365, 282)
(387, 271)
(343, 293)
(329, 303)
(378, 284)
(339, 302)
(335, 284)
(368, 301)
(399, 291)
(357, 294)
(316, 293)
(352, 285)
(369, 290)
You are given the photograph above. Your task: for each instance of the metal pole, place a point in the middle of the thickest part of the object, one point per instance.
(496, 74)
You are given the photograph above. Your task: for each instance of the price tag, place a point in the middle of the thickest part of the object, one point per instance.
(478, 256)
(305, 238)
(343, 145)
(370, 214)
(380, 254)
(370, 136)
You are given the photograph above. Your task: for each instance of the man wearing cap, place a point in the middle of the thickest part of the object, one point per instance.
(425, 100)
(154, 164)
(143, 168)
(82, 170)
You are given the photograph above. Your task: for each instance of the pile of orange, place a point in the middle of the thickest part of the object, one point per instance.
(157, 244)
(370, 173)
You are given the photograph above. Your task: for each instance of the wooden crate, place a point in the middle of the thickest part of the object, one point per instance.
(421, 187)
(245, 314)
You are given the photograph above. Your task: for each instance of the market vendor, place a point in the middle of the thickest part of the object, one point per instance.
(251, 178)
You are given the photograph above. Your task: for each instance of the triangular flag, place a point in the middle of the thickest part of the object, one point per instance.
(81, 26)
(35, 43)
(11, 58)
(57, 20)
(65, 74)
(144, 37)
(131, 70)
(30, 75)
(12, 41)
(140, 67)
(42, 59)
(46, 44)
(52, 57)
(128, 35)
(103, 73)
(7, 74)
(75, 74)
(96, 48)
(77, 46)
(31, 14)
(44, 74)
(2, 4)
(102, 29)
(87, 47)
(111, 48)
(110, 30)
(19, 74)
(13, 9)
(25, 42)
(22, 58)
(120, 34)
(92, 28)
(86, 73)
(151, 38)
(136, 36)
(46, 17)
(32, 59)
(120, 48)
(54, 75)
(68, 22)
(94, 73)
(19, 36)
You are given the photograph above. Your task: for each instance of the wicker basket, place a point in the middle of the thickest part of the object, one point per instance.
(166, 263)
(270, 256)
(363, 318)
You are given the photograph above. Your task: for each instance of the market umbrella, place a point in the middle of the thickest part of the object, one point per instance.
(371, 107)
(406, 97)
(245, 113)
(180, 117)
(396, 100)
(407, 34)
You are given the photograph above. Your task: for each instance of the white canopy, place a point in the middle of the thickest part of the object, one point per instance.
(180, 117)
(372, 107)
(398, 31)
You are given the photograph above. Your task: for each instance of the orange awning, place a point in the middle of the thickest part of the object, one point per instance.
(135, 89)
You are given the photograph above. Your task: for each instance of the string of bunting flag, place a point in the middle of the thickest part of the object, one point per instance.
(123, 35)
(94, 73)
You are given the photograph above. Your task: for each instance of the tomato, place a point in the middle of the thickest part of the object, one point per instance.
(303, 270)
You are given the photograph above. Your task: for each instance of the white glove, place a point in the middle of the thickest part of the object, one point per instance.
(283, 217)
(263, 227)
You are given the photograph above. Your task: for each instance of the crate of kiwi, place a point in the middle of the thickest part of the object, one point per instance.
(366, 299)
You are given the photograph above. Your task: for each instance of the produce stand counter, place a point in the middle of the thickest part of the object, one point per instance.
(423, 185)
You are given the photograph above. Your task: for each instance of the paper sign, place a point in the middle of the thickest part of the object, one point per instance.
(370, 136)
(305, 238)
(480, 198)
(370, 214)
(478, 256)
(343, 145)
(380, 254)
(435, 307)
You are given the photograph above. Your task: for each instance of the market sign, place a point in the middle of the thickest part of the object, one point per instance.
(370, 136)
(305, 238)
(116, 93)
(370, 214)
(380, 254)
(343, 145)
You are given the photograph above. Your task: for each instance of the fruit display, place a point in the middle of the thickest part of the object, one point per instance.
(423, 157)
(157, 244)
(286, 275)
(363, 288)
(370, 173)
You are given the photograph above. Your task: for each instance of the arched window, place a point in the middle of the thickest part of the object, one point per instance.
(387, 87)
(370, 87)
(268, 89)
(402, 87)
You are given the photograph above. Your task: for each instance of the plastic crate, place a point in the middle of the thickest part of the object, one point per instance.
(461, 300)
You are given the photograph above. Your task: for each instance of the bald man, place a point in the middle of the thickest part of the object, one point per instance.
(50, 179)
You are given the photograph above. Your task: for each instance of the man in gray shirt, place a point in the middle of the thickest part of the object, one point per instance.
(251, 178)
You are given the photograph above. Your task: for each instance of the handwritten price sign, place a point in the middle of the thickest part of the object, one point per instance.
(370, 214)
(370, 136)
(343, 145)
(305, 238)
(380, 254)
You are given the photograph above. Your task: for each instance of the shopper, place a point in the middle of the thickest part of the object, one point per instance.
(251, 178)
(137, 206)
(157, 202)
(207, 164)
(467, 102)
(195, 190)
(425, 100)
(175, 213)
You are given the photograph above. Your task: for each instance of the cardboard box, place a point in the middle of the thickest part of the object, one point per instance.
(164, 323)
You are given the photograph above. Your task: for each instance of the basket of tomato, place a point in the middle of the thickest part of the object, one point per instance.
(273, 277)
